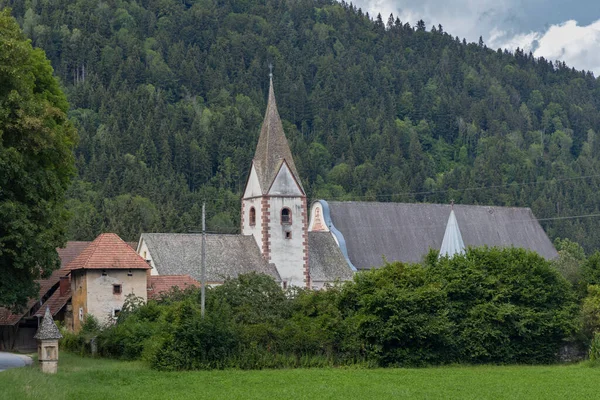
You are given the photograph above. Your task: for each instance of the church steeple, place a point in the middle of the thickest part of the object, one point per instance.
(274, 209)
(272, 149)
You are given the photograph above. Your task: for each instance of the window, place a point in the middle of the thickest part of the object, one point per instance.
(116, 312)
(284, 285)
(252, 216)
(129, 273)
(103, 272)
(117, 289)
(286, 216)
(288, 235)
(81, 313)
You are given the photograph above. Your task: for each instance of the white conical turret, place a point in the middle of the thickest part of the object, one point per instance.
(453, 243)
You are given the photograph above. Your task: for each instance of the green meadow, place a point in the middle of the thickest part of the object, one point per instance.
(88, 379)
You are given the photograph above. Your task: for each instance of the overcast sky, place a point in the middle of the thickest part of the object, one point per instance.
(555, 29)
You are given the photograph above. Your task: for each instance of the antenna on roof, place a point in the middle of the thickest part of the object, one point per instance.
(270, 70)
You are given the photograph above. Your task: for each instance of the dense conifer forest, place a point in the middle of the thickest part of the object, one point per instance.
(168, 97)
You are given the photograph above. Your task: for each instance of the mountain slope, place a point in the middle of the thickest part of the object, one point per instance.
(169, 95)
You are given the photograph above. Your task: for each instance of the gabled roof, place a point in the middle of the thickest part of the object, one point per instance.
(272, 148)
(158, 284)
(325, 259)
(71, 251)
(227, 256)
(406, 232)
(56, 302)
(108, 251)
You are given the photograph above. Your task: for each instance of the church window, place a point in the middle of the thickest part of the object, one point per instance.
(288, 235)
(286, 216)
(252, 216)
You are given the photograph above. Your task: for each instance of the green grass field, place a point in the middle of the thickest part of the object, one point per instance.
(88, 379)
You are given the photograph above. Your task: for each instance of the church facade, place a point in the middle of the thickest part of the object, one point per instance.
(278, 239)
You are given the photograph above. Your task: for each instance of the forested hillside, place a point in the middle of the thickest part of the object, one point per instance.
(168, 97)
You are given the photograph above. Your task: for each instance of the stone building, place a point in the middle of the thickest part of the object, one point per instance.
(102, 276)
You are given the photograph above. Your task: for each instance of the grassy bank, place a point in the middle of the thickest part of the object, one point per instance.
(84, 378)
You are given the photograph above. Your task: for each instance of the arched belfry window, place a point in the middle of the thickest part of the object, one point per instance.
(252, 216)
(286, 216)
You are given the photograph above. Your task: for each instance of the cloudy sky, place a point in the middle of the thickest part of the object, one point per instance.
(566, 30)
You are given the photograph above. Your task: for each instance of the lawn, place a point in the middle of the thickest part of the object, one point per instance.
(88, 379)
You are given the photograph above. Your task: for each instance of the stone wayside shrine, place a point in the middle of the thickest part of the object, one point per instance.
(47, 337)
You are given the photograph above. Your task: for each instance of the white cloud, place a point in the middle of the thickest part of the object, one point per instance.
(532, 25)
(576, 45)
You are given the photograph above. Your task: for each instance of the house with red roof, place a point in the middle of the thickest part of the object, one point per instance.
(102, 276)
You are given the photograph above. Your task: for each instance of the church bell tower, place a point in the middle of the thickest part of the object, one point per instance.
(274, 208)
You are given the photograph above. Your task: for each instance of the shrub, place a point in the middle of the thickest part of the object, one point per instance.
(507, 305)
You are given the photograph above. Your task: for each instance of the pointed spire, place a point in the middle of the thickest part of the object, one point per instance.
(48, 329)
(272, 148)
(453, 243)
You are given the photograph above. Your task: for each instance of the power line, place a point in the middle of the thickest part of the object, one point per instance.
(467, 189)
(473, 188)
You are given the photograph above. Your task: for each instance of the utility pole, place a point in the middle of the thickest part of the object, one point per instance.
(203, 267)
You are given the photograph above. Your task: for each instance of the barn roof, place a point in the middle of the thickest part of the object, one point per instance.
(158, 284)
(406, 232)
(66, 254)
(272, 148)
(227, 256)
(326, 261)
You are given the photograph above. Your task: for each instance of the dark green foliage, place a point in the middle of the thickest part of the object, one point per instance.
(400, 317)
(507, 306)
(36, 165)
(591, 269)
(489, 306)
(169, 96)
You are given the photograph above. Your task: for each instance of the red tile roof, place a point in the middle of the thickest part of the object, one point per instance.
(56, 302)
(70, 252)
(108, 251)
(163, 283)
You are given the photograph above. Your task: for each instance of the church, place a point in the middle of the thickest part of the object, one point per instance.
(279, 238)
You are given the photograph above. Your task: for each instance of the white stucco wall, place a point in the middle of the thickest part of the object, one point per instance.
(144, 251)
(100, 298)
(256, 229)
(287, 254)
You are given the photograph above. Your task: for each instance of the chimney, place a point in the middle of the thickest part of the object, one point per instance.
(65, 285)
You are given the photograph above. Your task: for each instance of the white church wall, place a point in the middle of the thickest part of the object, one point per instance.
(247, 228)
(285, 184)
(144, 251)
(287, 254)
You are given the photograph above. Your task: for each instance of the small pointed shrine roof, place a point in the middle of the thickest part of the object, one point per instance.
(272, 148)
(452, 243)
(48, 329)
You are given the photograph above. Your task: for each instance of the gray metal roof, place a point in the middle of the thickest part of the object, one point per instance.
(272, 147)
(406, 232)
(227, 256)
(325, 259)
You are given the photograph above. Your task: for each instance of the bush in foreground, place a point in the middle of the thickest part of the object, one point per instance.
(487, 306)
